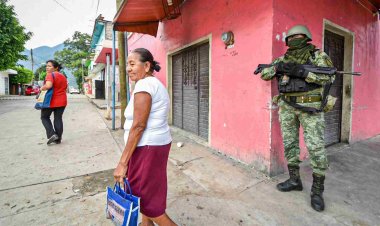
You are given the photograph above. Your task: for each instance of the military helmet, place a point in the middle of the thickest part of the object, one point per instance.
(298, 29)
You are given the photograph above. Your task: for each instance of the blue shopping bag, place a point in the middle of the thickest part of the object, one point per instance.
(44, 98)
(122, 207)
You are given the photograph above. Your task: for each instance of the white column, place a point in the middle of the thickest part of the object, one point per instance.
(108, 87)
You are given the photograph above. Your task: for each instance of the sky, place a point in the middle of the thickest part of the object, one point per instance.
(54, 21)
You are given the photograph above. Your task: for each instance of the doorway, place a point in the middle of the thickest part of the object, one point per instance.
(334, 47)
(190, 90)
(338, 44)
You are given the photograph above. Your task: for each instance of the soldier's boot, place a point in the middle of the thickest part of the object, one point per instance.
(316, 194)
(294, 182)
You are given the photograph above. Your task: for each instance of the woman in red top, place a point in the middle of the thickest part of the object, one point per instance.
(54, 79)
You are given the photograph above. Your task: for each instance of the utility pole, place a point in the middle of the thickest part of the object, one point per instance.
(122, 71)
(31, 58)
(83, 61)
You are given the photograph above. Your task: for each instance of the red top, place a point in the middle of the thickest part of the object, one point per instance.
(59, 98)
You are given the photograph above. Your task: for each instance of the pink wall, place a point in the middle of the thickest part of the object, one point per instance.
(366, 105)
(243, 125)
(239, 101)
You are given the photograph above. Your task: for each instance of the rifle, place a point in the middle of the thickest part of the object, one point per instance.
(310, 68)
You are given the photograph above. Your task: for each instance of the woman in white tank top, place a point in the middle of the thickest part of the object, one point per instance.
(147, 139)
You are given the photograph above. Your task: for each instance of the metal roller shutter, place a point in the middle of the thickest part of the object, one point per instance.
(191, 90)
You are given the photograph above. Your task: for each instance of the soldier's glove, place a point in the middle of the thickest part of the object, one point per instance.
(259, 69)
(297, 71)
(284, 68)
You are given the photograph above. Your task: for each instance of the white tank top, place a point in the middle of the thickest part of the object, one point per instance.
(157, 131)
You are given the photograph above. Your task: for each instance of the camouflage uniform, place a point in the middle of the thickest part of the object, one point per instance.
(312, 124)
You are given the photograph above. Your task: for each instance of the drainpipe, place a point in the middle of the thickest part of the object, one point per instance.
(113, 79)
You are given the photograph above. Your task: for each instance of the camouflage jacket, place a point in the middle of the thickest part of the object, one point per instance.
(320, 59)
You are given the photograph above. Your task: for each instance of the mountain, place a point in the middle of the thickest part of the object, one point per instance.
(41, 55)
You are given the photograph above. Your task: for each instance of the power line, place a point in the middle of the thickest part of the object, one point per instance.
(62, 6)
(97, 7)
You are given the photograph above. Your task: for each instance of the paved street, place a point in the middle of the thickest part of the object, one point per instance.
(57, 184)
(64, 184)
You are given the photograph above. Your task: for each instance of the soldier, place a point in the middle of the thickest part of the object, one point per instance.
(301, 91)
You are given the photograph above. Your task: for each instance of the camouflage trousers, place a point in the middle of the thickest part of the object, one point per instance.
(313, 126)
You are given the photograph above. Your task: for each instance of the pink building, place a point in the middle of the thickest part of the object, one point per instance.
(213, 90)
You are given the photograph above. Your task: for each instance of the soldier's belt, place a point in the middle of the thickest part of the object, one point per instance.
(303, 99)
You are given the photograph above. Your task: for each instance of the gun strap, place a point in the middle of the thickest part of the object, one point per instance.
(311, 110)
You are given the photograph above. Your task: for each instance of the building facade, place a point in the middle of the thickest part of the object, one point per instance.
(213, 90)
(4, 81)
(100, 70)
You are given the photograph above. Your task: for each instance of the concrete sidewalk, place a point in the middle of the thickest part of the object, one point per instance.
(65, 184)
(101, 103)
(207, 188)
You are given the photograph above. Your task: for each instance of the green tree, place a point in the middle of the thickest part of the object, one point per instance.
(24, 76)
(42, 76)
(74, 51)
(12, 37)
(40, 73)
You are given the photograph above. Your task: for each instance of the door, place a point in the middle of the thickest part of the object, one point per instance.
(99, 89)
(334, 47)
(191, 90)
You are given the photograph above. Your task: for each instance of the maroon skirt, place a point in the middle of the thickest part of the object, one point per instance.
(148, 179)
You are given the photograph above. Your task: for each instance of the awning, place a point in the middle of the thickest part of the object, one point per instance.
(95, 70)
(375, 3)
(10, 71)
(143, 16)
(371, 5)
(98, 29)
(87, 63)
(100, 57)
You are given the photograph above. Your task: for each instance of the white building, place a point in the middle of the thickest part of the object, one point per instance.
(101, 45)
(4, 81)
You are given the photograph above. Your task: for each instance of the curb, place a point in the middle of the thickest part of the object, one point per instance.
(17, 97)
(101, 106)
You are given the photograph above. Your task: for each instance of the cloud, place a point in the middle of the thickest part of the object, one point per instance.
(54, 21)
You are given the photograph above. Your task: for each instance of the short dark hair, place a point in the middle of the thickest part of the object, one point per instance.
(146, 56)
(55, 64)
